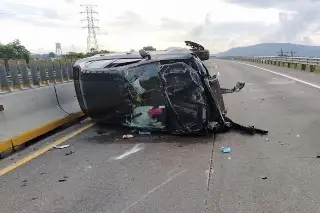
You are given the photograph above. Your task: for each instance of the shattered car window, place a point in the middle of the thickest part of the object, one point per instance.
(185, 95)
(148, 104)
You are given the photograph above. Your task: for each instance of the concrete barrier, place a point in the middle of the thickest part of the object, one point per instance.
(31, 113)
(67, 97)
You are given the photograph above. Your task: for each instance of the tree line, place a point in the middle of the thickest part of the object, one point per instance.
(15, 51)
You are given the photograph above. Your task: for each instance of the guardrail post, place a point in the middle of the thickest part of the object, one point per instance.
(64, 70)
(312, 68)
(43, 74)
(34, 73)
(296, 65)
(13, 69)
(4, 83)
(49, 65)
(57, 70)
(289, 65)
(69, 70)
(303, 67)
(25, 73)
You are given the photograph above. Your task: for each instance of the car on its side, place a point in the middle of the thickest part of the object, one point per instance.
(169, 91)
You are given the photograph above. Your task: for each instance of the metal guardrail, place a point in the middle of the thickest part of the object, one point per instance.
(18, 74)
(276, 60)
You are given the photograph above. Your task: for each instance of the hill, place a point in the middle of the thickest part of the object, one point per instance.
(271, 49)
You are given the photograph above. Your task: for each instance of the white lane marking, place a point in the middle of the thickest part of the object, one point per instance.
(281, 82)
(153, 190)
(283, 75)
(134, 149)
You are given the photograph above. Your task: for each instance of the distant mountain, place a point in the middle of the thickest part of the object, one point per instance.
(271, 49)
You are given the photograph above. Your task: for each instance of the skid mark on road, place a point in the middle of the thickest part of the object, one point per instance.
(154, 189)
(134, 149)
(283, 75)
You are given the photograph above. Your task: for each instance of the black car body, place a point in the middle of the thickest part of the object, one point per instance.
(170, 91)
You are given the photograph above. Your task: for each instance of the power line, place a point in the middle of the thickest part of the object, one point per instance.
(92, 42)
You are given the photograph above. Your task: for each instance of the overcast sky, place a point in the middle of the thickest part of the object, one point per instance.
(131, 24)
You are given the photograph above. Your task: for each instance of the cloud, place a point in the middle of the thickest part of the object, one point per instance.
(126, 24)
(283, 4)
(297, 22)
(34, 15)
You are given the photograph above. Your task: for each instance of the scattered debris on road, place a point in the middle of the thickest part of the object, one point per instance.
(42, 173)
(267, 139)
(298, 136)
(61, 147)
(63, 179)
(264, 178)
(34, 198)
(70, 152)
(127, 136)
(1, 108)
(24, 183)
(225, 149)
(101, 132)
(318, 156)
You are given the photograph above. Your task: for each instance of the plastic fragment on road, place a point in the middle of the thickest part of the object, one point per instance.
(225, 149)
(298, 136)
(61, 147)
(69, 153)
(1, 108)
(127, 136)
(264, 178)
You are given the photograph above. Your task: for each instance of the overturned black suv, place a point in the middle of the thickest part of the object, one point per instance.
(169, 91)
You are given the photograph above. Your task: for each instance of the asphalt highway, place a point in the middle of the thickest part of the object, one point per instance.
(101, 172)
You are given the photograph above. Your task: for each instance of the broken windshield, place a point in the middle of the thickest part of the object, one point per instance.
(145, 96)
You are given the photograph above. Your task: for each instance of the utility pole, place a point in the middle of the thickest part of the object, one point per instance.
(280, 53)
(92, 42)
(292, 53)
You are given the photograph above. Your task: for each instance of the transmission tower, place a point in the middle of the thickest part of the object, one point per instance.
(92, 42)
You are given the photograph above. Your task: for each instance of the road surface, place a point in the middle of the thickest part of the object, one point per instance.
(162, 173)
